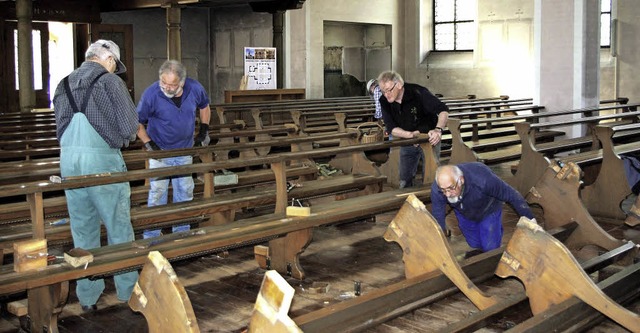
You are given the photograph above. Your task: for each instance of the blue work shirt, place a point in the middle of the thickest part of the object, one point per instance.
(169, 126)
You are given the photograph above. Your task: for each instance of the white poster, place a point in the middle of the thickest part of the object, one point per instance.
(260, 67)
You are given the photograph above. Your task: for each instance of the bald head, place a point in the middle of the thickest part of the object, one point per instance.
(449, 179)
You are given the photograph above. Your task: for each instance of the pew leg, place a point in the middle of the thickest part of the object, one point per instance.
(45, 304)
(219, 218)
(284, 252)
(159, 289)
(552, 275)
(426, 249)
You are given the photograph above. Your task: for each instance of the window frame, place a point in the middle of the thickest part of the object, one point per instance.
(602, 14)
(455, 29)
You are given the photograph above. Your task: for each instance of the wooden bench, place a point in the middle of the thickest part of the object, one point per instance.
(220, 212)
(289, 236)
(429, 271)
(485, 149)
(604, 196)
(552, 276)
(535, 157)
(230, 112)
(461, 152)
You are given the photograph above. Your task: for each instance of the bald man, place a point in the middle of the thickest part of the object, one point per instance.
(476, 195)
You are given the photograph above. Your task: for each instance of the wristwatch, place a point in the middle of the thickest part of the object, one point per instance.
(439, 129)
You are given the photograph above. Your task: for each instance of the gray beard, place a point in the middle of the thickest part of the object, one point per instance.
(453, 199)
(171, 95)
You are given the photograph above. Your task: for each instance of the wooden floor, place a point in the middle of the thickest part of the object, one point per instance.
(223, 288)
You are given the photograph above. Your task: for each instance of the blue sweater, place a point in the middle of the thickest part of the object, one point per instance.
(483, 193)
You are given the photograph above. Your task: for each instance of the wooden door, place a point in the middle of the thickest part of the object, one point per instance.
(121, 34)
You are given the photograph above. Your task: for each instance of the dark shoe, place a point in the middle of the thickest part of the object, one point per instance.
(89, 308)
(472, 253)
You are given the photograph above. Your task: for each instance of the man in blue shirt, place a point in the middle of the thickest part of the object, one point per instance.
(476, 195)
(168, 109)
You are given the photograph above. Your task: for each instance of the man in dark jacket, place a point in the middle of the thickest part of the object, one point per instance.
(408, 110)
(476, 195)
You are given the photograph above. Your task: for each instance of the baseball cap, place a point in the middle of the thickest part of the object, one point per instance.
(369, 84)
(101, 46)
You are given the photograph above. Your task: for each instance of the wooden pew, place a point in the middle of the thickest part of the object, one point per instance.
(535, 157)
(430, 276)
(461, 152)
(557, 192)
(465, 150)
(201, 241)
(211, 204)
(303, 169)
(603, 197)
(551, 275)
(278, 111)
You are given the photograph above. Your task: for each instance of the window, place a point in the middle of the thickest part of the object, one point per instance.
(37, 59)
(454, 25)
(605, 23)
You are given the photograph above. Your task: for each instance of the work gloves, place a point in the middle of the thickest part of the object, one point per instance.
(202, 139)
(151, 146)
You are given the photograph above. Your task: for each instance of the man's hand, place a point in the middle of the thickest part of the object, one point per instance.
(202, 139)
(151, 146)
(435, 136)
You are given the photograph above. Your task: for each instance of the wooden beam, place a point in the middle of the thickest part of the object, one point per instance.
(56, 10)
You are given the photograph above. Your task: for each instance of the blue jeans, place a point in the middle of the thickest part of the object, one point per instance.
(159, 189)
(485, 235)
(410, 157)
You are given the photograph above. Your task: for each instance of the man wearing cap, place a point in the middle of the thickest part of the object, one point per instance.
(408, 110)
(168, 109)
(95, 118)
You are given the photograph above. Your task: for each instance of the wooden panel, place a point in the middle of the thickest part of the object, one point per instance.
(236, 96)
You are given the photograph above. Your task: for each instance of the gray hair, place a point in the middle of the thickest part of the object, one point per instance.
(175, 67)
(390, 76)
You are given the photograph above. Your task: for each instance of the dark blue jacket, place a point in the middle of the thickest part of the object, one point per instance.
(483, 193)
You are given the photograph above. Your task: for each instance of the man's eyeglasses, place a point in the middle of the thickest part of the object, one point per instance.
(451, 188)
(391, 89)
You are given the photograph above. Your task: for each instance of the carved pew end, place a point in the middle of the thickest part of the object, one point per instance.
(159, 289)
(272, 306)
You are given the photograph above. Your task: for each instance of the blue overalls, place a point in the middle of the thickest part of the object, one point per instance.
(84, 151)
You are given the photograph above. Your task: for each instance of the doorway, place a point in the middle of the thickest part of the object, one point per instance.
(9, 98)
